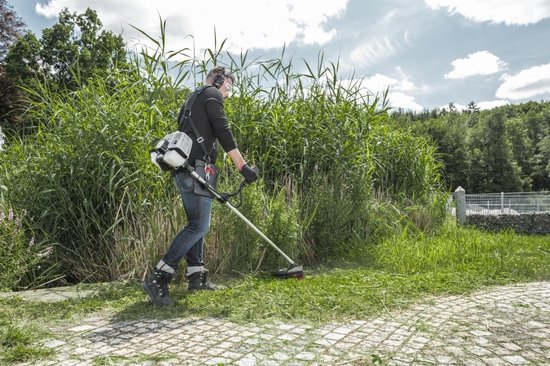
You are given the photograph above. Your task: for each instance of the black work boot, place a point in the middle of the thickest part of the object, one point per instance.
(199, 281)
(156, 286)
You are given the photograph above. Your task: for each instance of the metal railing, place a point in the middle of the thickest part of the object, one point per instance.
(507, 203)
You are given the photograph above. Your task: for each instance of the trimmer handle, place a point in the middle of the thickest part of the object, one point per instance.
(243, 184)
(238, 191)
(250, 173)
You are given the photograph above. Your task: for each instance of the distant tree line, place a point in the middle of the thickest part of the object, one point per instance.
(505, 149)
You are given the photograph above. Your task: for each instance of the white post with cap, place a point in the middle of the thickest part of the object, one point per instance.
(460, 201)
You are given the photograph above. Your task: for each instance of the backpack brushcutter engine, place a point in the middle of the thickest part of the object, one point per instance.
(172, 151)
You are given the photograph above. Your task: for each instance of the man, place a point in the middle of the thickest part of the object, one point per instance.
(209, 120)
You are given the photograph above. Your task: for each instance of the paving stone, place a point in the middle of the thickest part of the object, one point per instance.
(217, 361)
(288, 336)
(335, 336)
(511, 346)
(480, 333)
(481, 341)
(344, 345)
(247, 361)
(343, 330)
(508, 325)
(54, 343)
(308, 356)
(495, 361)
(444, 360)
(326, 342)
(81, 328)
(455, 351)
(515, 360)
(286, 326)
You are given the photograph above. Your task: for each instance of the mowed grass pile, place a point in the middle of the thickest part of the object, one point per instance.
(402, 270)
(336, 177)
(451, 261)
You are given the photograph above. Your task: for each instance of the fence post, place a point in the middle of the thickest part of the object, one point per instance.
(460, 200)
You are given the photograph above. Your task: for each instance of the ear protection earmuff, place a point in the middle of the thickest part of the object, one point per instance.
(218, 81)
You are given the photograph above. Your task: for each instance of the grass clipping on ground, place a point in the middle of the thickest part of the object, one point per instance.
(402, 271)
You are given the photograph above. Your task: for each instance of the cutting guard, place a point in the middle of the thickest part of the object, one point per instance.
(294, 271)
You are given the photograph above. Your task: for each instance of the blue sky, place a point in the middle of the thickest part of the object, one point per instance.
(428, 52)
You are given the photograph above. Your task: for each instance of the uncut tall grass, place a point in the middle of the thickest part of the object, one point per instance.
(335, 176)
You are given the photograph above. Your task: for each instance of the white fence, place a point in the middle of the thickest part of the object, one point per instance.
(498, 203)
(507, 203)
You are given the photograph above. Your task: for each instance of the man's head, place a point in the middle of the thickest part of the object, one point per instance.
(222, 79)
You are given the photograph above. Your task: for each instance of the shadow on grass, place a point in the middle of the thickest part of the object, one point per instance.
(135, 304)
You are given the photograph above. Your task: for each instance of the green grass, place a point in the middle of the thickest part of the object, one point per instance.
(467, 251)
(453, 261)
(400, 271)
(19, 343)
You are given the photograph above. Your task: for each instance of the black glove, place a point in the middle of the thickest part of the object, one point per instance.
(250, 173)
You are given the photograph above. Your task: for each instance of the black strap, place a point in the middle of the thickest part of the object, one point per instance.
(185, 113)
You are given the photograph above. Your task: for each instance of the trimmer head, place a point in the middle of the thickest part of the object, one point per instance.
(293, 271)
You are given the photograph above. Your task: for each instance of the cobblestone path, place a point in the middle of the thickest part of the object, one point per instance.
(508, 325)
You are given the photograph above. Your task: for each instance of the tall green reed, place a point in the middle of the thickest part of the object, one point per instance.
(335, 177)
(86, 174)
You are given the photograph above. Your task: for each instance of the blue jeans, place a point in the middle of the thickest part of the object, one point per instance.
(189, 242)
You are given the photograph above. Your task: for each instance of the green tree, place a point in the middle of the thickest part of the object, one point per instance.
(448, 133)
(492, 168)
(69, 52)
(472, 107)
(522, 149)
(541, 158)
(72, 51)
(11, 27)
(472, 145)
(23, 60)
(453, 148)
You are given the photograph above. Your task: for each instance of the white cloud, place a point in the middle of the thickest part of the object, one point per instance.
(402, 100)
(370, 52)
(510, 12)
(399, 88)
(527, 83)
(379, 83)
(492, 104)
(381, 38)
(268, 23)
(478, 63)
(481, 105)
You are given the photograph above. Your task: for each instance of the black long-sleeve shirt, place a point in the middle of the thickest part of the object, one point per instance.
(208, 115)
